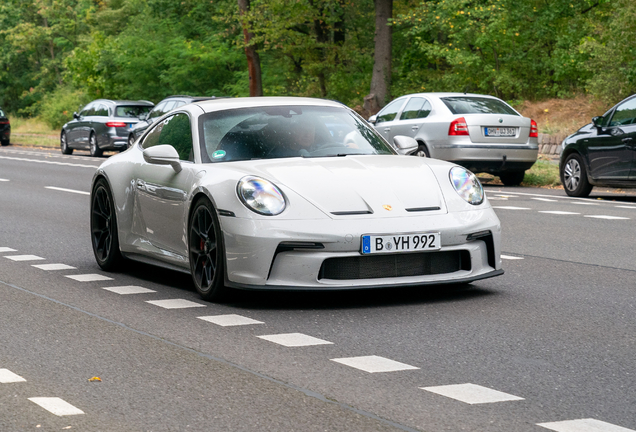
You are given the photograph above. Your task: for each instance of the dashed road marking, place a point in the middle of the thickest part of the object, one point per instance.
(53, 266)
(627, 207)
(472, 393)
(49, 162)
(4, 179)
(24, 257)
(510, 257)
(607, 217)
(583, 425)
(373, 364)
(229, 320)
(585, 203)
(6, 377)
(510, 208)
(294, 340)
(129, 289)
(558, 212)
(506, 196)
(175, 303)
(89, 277)
(545, 199)
(57, 406)
(66, 190)
(7, 249)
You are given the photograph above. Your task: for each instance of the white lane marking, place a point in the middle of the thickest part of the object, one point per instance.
(583, 425)
(175, 303)
(510, 208)
(545, 199)
(4, 179)
(606, 217)
(57, 406)
(7, 249)
(89, 277)
(294, 340)
(507, 196)
(510, 257)
(472, 393)
(585, 203)
(129, 289)
(24, 258)
(229, 320)
(373, 364)
(49, 162)
(6, 377)
(53, 266)
(557, 212)
(66, 190)
(497, 199)
(627, 207)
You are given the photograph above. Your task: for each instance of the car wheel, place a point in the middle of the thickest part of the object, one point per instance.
(131, 140)
(4, 142)
(104, 237)
(512, 178)
(422, 151)
(94, 148)
(574, 176)
(64, 145)
(206, 252)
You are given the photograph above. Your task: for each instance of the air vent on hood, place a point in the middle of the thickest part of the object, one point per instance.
(351, 213)
(422, 209)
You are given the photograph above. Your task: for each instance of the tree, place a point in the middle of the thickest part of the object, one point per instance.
(381, 79)
(253, 59)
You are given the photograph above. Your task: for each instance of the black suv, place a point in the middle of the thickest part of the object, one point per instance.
(167, 104)
(5, 129)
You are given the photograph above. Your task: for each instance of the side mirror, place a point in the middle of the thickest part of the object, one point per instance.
(76, 116)
(596, 121)
(373, 119)
(163, 155)
(405, 144)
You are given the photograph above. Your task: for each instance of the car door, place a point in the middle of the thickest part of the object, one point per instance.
(386, 119)
(412, 117)
(161, 194)
(98, 123)
(611, 150)
(75, 128)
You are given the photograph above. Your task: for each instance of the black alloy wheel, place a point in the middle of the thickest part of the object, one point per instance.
(104, 237)
(512, 178)
(422, 151)
(574, 176)
(206, 253)
(94, 148)
(64, 144)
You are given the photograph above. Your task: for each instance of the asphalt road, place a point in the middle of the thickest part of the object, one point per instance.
(550, 345)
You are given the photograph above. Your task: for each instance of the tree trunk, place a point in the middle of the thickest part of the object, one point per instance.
(381, 78)
(253, 60)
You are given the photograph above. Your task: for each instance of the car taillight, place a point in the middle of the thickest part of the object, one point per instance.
(4, 121)
(458, 127)
(534, 130)
(115, 124)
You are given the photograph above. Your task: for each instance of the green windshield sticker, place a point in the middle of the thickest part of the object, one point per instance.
(218, 154)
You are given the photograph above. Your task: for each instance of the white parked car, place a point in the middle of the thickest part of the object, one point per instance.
(271, 193)
(479, 132)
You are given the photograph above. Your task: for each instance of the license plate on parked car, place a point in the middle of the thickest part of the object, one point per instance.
(500, 131)
(392, 243)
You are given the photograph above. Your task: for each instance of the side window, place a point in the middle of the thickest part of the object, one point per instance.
(170, 105)
(175, 131)
(390, 111)
(88, 110)
(158, 111)
(416, 108)
(625, 114)
(101, 110)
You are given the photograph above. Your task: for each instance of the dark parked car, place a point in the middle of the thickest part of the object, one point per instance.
(602, 152)
(102, 125)
(167, 104)
(5, 129)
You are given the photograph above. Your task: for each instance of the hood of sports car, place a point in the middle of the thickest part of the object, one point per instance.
(385, 186)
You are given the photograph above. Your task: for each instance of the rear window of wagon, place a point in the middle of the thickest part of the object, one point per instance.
(477, 105)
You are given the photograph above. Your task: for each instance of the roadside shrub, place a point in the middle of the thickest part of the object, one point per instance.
(57, 107)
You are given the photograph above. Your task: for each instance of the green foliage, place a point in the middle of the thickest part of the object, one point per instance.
(58, 106)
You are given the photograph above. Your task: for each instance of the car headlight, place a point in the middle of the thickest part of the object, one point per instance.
(467, 185)
(261, 196)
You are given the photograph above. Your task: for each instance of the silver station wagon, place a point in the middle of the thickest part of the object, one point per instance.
(481, 133)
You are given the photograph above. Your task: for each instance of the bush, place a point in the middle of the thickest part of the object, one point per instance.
(57, 108)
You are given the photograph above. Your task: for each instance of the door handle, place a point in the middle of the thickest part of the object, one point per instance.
(141, 185)
(415, 127)
(387, 129)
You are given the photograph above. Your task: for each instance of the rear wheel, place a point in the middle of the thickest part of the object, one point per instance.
(131, 140)
(512, 178)
(206, 252)
(64, 145)
(94, 148)
(574, 176)
(422, 151)
(104, 237)
(4, 142)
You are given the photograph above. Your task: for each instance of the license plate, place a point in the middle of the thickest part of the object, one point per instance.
(392, 243)
(130, 125)
(500, 131)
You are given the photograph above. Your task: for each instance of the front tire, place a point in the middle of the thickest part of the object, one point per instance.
(206, 252)
(5, 142)
(64, 145)
(104, 236)
(94, 148)
(574, 176)
(422, 151)
(131, 140)
(512, 178)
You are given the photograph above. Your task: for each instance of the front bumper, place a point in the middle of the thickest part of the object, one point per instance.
(259, 255)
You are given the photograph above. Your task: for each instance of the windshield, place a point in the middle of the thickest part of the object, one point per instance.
(286, 131)
(477, 105)
(131, 111)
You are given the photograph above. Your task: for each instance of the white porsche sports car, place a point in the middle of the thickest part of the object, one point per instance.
(289, 193)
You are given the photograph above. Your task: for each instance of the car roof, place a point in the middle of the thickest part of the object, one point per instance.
(190, 98)
(250, 102)
(448, 94)
(125, 102)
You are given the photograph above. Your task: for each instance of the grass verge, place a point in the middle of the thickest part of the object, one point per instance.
(33, 132)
